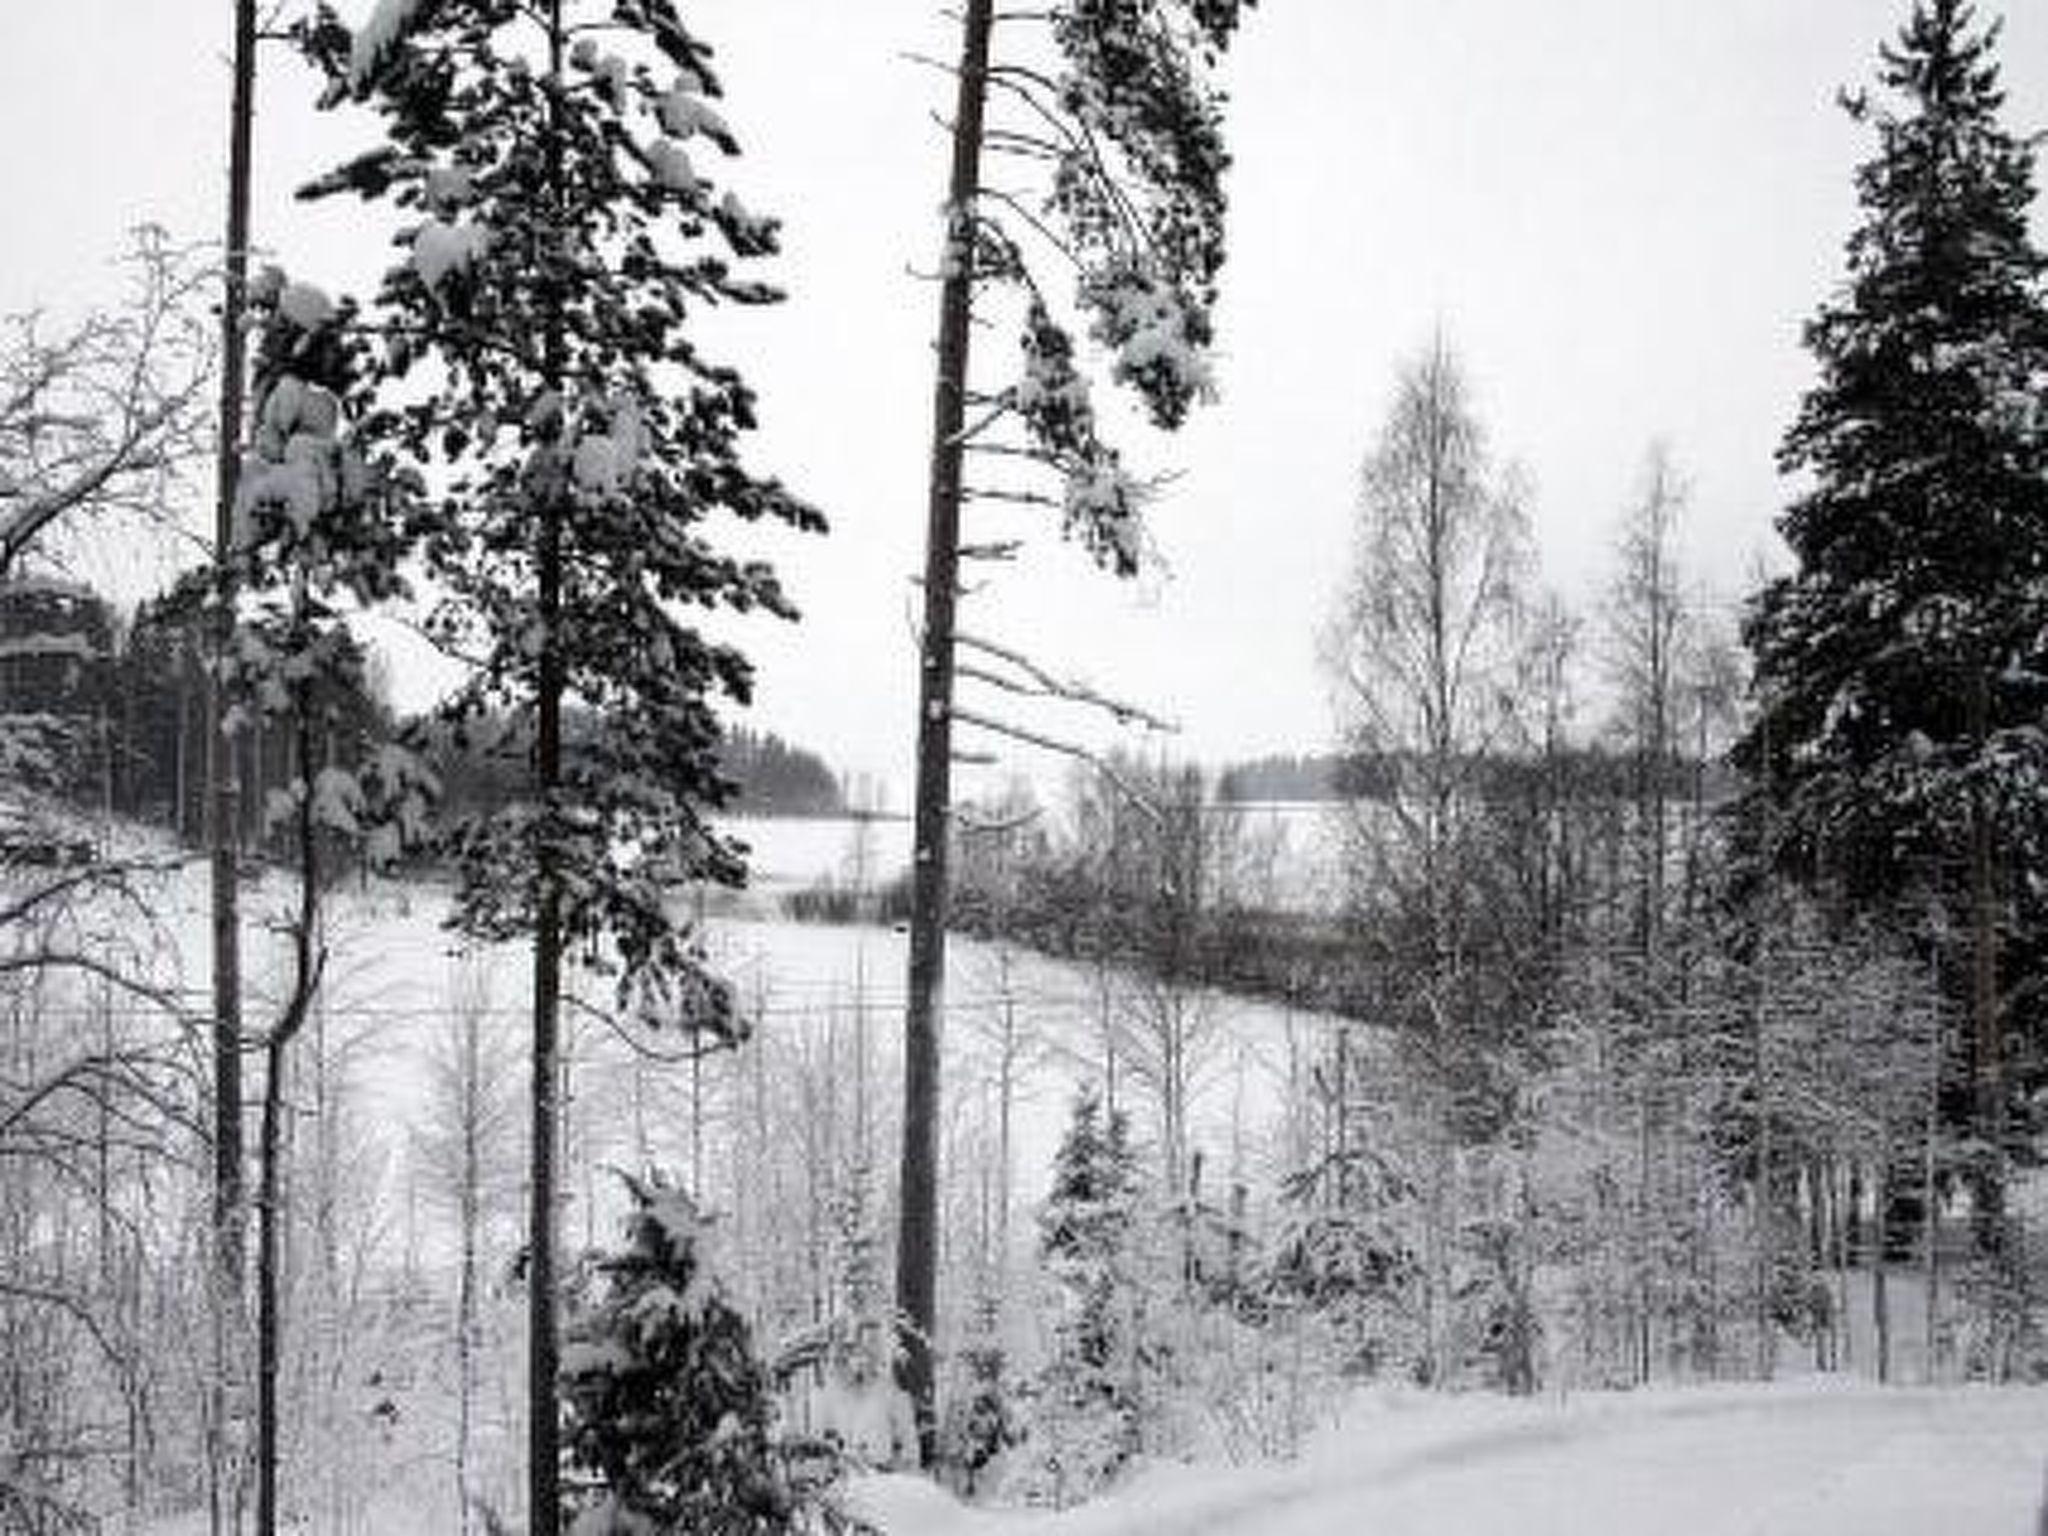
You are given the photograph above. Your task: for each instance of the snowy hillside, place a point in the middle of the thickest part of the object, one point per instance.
(1804, 1459)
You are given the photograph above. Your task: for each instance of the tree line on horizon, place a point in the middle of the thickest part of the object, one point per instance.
(127, 692)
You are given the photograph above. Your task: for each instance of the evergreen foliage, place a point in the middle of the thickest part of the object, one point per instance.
(671, 1418)
(1902, 667)
(536, 369)
(1085, 1417)
(536, 374)
(321, 530)
(774, 778)
(1132, 129)
(981, 1423)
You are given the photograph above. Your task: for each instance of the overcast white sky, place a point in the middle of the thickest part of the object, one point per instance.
(1619, 210)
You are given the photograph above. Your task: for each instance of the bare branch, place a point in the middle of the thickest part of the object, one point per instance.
(1080, 753)
(1039, 683)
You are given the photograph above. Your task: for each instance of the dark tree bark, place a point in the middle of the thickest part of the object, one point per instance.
(917, 1236)
(222, 799)
(543, 1430)
(309, 961)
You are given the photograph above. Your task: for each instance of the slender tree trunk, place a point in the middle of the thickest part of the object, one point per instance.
(469, 1216)
(917, 1235)
(465, 1297)
(1930, 1196)
(179, 818)
(1841, 1203)
(543, 1435)
(543, 1441)
(1880, 1256)
(1987, 1044)
(222, 798)
(1004, 1154)
(1766, 1214)
(1643, 1218)
(308, 961)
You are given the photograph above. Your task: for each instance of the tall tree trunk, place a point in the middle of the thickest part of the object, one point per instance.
(222, 798)
(1880, 1256)
(917, 1233)
(543, 1441)
(543, 1434)
(1005, 1156)
(470, 1216)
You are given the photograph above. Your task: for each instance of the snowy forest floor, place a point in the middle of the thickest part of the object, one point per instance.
(1805, 1458)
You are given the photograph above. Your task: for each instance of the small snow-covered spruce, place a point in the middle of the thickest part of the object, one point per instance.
(1084, 1423)
(670, 1421)
(858, 1348)
(981, 1422)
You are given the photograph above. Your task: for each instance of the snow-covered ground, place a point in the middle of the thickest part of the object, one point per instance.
(1797, 1459)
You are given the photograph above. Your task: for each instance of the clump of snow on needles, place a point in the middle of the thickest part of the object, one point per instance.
(605, 461)
(684, 113)
(439, 249)
(1148, 325)
(305, 306)
(376, 37)
(671, 165)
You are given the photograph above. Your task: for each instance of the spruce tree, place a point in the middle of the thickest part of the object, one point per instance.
(1902, 666)
(1085, 1416)
(671, 1417)
(556, 171)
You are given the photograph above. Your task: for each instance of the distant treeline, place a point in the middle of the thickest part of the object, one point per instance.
(1333, 776)
(119, 719)
(1282, 776)
(112, 716)
(777, 779)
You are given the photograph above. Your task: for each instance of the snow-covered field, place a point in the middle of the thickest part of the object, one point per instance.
(1799, 1459)
(1802, 1458)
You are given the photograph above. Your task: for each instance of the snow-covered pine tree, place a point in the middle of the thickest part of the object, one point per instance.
(553, 169)
(1085, 1416)
(1118, 142)
(1902, 666)
(671, 1417)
